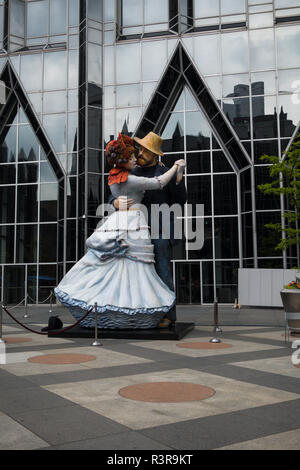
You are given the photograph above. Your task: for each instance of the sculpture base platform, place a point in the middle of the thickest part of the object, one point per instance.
(176, 333)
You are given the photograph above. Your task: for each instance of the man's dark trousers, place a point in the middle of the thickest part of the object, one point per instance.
(163, 266)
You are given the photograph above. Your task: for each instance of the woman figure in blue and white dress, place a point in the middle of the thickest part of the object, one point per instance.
(118, 271)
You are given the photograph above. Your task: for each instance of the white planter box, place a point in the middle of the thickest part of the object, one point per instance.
(261, 287)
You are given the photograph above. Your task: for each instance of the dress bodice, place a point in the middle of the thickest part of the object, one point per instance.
(135, 187)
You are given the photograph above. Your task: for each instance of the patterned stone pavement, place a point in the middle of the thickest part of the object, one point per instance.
(152, 395)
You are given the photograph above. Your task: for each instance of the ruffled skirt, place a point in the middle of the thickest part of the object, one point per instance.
(118, 274)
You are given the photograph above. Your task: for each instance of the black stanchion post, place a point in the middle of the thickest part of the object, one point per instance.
(1, 319)
(216, 321)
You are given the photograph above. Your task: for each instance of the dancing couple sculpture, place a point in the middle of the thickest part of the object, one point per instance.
(126, 273)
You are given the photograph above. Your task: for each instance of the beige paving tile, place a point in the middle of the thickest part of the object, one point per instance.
(238, 346)
(102, 396)
(15, 437)
(289, 440)
(276, 365)
(104, 358)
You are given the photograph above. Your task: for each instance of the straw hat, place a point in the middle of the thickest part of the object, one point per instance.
(151, 142)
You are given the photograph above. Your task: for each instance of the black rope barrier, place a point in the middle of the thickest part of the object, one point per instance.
(47, 332)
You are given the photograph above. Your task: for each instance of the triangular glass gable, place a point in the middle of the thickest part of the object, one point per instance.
(188, 128)
(16, 99)
(179, 73)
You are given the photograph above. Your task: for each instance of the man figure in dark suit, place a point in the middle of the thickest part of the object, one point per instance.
(175, 192)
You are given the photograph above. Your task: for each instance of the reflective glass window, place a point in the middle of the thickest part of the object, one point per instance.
(71, 237)
(264, 201)
(28, 144)
(289, 81)
(206, 252)
(27, 203)
(109, 69)
(72, 131)
(32, 71)
(264, 147)
(94, 63)
(28, 173)
(235, 52)
(1, 22)
(54, 102)
(7, 243)
(262, 49)
(7, 195)
(37, 18)
(264, 117)
(261, 20)
(173, 134)
(206, 8)
(128, 63)
(127, 119)
(128, 95)
(17, 17)
(289, 114)
(190, 102)
(198, 162)
(48, 202)
(48, 237)
(238, 112)
(36, 101)
(95, 9)
(55, 72)
(157, 11)
(8, 146)
(288, 51)
(220, 163)
(199, 191)
(207, 54)
(226, 237)
(58, 16)
(157, 50)
(55, 125)
(286, 3)
(26, 243)
(236, 85)
(47, 175)
(227, 281)
(267, 238)
(198, 132)
(74, 12)
(109, 10)
(229, 7)
(263, 83)
(73, 69)
(72, 100)
(7, 174)
(225, 194)
(132, 12)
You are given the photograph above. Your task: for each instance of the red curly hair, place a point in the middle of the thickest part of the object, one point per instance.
(119, 151)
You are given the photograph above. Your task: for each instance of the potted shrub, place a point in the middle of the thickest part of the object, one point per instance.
(290, 296)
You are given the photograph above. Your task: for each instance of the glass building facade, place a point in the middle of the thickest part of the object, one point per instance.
(219, 80)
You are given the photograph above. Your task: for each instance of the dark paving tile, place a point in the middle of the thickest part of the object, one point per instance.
(11, 382)
(28, 399)
(225, 429)
(130, 440)
(68, 424)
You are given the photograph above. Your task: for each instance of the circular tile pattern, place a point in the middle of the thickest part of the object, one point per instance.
(61, 358)
(16, 339)
(167, 392)
(202, 345)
